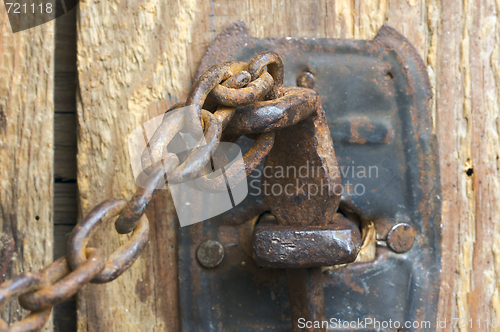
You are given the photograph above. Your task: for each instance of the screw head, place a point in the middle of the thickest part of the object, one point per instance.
(306, 80)
(210, 254)
(401, 237)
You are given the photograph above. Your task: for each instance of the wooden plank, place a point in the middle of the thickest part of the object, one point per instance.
(148, 51)
(140, 54)
(26, 147)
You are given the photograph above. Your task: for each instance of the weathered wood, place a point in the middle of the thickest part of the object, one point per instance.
(138, 54)
(26, 146)
(132, 54)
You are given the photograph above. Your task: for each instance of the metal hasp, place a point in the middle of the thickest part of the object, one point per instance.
(275, 246)
(375, 95)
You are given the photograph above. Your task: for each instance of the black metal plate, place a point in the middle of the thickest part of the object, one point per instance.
(376, 97)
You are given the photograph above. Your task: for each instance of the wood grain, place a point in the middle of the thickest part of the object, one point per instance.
(26, 147)
(131, 54)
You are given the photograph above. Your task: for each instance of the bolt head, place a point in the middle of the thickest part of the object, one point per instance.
(210, 254)
(306, 80)
(401, 237)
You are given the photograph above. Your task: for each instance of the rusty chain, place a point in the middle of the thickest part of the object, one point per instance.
(229, 100)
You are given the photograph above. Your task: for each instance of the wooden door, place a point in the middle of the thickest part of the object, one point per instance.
(132, 56)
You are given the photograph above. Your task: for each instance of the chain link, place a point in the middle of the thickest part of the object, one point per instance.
(229, 100)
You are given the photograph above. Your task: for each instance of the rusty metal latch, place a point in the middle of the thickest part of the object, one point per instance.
(267, 263)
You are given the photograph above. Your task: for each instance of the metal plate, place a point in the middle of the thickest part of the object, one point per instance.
(376, 97)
